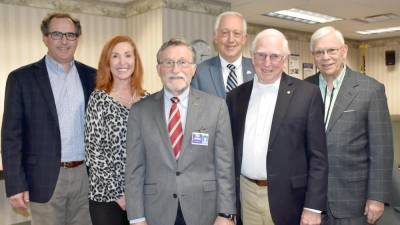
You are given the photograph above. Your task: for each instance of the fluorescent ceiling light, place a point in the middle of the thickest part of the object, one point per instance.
(303, 16)
(378, 31)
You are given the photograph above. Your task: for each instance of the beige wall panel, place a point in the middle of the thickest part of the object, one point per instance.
(21, 42)
(189, 25)
(146, 30)
(388, 75)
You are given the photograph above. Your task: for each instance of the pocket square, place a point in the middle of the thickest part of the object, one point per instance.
(350, 110)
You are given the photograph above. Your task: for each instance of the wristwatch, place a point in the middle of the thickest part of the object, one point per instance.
(228, 216)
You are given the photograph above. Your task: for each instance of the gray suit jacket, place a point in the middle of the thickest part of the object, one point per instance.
(360, 145)
(202, 179)
(208, 76)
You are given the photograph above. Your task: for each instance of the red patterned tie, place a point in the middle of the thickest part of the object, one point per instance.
(175, 127)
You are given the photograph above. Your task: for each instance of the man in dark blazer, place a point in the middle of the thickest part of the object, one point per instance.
(229, 69)
(42, 131)
(359, 134)
(179, 167)
(279, 140)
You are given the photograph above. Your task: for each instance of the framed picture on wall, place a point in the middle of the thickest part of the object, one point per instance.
(308, 70)
(294, 66)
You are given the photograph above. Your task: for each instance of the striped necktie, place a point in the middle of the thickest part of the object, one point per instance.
(175, 127)
(232, 78)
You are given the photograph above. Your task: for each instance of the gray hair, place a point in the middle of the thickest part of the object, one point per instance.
(175, 42)
(322, 32)
(230, 13)
(271, 32)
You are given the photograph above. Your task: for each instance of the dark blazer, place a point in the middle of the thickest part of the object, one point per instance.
(360, 145)
(31, 144)
(208, 76)
(297, 164)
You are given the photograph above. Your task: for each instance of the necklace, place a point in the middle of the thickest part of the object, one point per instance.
(126, 101)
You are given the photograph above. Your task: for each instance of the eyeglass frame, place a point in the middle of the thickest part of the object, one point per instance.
(51, 34)
(274, 58)
(329, 51)
(179, 63)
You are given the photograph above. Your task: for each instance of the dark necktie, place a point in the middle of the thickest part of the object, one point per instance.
(232, 78)
(175, 127)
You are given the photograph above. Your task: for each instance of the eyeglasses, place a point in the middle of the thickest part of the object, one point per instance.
(330, 52)
(172, 63)
(274, 58)
(70, 36)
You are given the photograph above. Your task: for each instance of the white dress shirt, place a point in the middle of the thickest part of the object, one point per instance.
(257, 129)
(226, 70)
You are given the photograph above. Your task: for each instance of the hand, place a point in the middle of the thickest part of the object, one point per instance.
(121, 202)
(310, 218)
(140, 223)
(223, 221)
(373, 211)
(20, 200)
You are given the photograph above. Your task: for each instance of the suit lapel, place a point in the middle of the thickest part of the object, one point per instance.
(243, 104)
(84, 81)
(193, 112)
(347, 93)
(159, 117)
(43, 82)
(248, 72)
(285, 93)
(216, 76)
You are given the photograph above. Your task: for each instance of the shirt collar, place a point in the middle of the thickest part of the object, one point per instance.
(56, 66)
(272, 86)
(338, 80)
(182, 97)
(237, 63)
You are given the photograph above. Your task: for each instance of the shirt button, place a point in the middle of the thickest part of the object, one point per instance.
(174, 195)
(178, 173)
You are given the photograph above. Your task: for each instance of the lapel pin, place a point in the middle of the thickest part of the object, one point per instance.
(288, 92)
(248, 72)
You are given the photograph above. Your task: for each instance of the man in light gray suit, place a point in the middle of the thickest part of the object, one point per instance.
(180, 167)
(229, 69)
(359, 134)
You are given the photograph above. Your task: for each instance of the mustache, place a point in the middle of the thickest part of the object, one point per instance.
(179, 75)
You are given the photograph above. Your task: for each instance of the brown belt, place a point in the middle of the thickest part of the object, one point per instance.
(261, 183)
(71, 164)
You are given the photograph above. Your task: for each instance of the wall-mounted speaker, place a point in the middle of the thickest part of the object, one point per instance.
(390, 57)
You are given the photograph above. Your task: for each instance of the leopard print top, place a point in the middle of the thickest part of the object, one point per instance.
(105, 145)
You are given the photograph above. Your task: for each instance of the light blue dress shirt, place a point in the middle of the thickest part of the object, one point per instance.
(70, 104)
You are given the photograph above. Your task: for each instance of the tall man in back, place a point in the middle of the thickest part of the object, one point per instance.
(359, 134)
(43, 129)
(229, 69)
(279, 140)
(179, 167)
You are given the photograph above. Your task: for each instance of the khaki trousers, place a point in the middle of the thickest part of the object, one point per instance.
(254, 203)
(69, 203)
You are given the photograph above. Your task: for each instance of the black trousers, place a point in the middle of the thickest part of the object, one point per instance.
(107, 213)
(179, 216)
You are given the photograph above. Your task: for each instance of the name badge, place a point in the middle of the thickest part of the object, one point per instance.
(199, 138)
